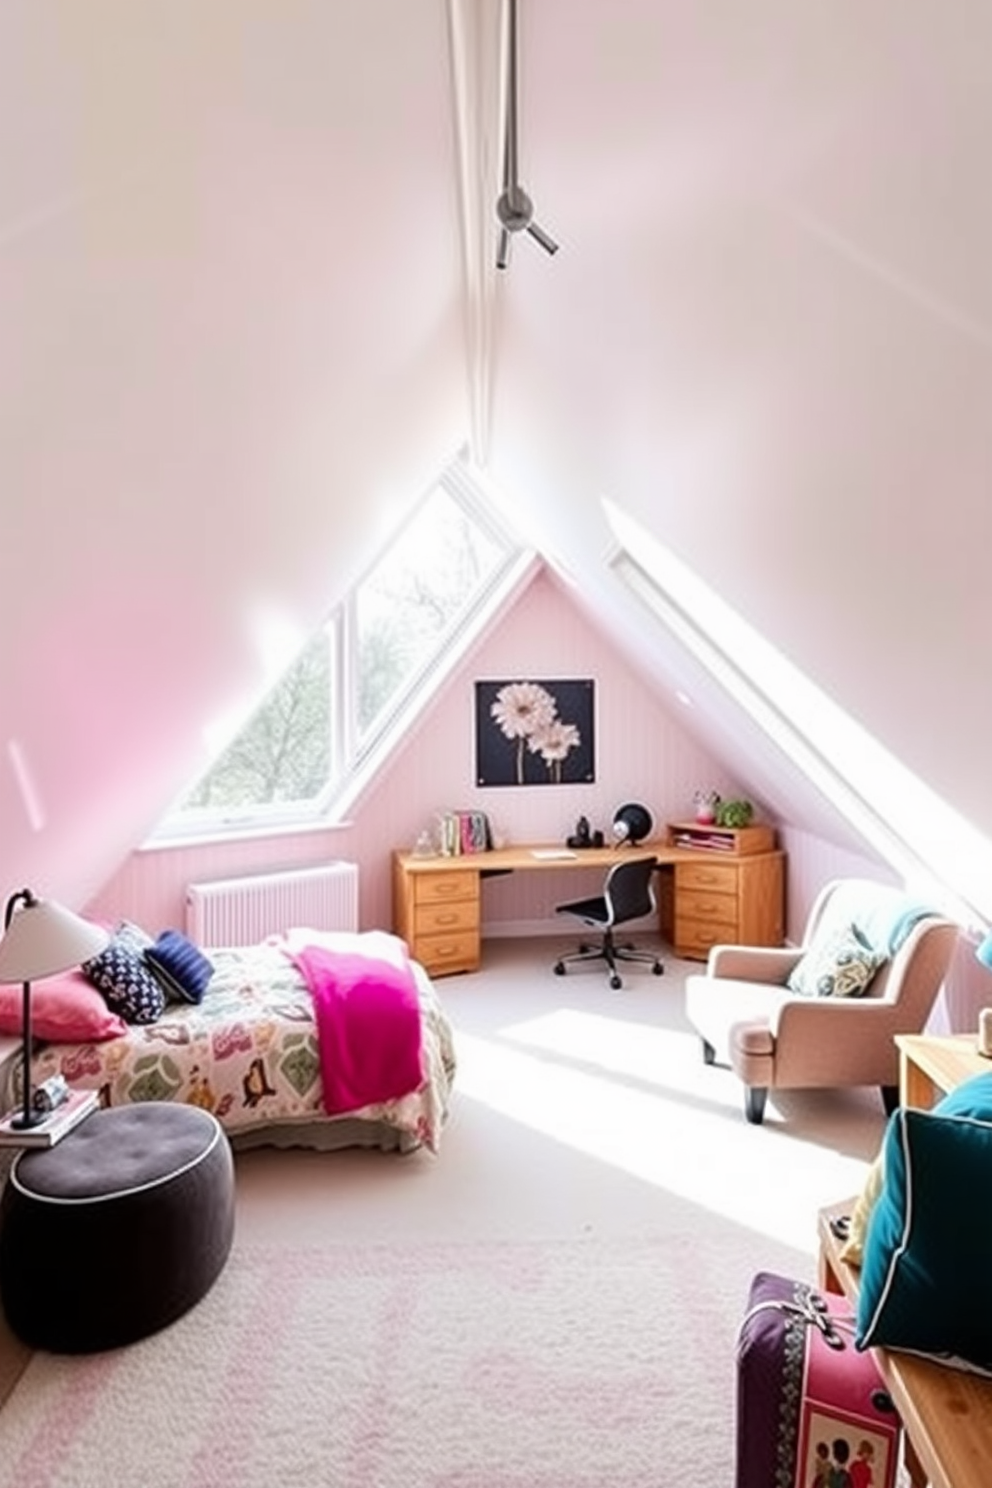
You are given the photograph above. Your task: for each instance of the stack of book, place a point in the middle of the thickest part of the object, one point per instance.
(463, 832)
(54, 1127)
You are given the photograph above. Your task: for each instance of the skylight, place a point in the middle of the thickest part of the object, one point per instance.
(924, 839)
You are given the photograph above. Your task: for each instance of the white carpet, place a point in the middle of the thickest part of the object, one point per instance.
(506, 1365)
(551, 1303)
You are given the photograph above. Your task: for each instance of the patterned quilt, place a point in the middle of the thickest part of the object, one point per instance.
(248, 1053)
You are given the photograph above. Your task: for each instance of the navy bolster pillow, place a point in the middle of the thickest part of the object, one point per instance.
(181, 967)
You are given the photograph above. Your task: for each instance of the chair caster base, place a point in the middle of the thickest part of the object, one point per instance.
(559, 968)
(615, 982)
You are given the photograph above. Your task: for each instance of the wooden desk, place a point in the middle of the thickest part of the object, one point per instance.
(947, 1413)
(712, 898)
(929, 1067)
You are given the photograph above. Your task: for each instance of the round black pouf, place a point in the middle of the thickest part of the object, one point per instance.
(118, 1229)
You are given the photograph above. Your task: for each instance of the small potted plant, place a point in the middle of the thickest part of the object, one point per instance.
(706, 804)
(737, 813)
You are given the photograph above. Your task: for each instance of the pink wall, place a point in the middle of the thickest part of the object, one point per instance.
(642, 753)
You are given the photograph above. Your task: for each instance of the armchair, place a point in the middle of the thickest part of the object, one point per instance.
(773, 1037)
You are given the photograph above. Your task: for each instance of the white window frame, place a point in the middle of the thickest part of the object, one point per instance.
(354, 761)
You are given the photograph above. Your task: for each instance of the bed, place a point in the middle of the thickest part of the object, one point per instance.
(251, 1053)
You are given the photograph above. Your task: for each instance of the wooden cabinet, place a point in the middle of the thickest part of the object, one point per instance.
(731, 891)
(437, 914)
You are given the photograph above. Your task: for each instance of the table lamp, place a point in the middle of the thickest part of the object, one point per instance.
(41, 938)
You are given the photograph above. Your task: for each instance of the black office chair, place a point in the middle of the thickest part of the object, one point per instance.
(627, 895)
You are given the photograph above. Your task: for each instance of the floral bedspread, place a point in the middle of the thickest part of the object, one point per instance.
(248, 1053)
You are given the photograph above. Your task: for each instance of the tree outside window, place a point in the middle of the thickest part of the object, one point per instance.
(307, 734)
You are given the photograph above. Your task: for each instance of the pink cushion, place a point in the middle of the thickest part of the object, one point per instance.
(66, 1009)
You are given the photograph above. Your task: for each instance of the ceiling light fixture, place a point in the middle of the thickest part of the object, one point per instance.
(514, 208)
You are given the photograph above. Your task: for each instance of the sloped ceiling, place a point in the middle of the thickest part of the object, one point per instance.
(248, 309)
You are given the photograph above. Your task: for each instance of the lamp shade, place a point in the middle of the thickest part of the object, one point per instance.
(984, 951)
(43, 938)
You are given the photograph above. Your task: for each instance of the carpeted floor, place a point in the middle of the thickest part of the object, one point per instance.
(509, 1364)
(552, 1302)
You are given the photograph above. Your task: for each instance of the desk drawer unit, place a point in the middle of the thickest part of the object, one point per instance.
(728, 903)
(443, 919)
(442, 955)
(437, 914)
(445, 888)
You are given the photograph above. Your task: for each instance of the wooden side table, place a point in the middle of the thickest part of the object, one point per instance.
(929, 1067)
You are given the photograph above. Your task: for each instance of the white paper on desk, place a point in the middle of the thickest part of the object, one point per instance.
(552, 852)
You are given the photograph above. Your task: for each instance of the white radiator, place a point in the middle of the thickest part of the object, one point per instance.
(243, 911)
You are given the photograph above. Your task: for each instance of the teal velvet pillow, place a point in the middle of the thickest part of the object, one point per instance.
(926, 1276)
(841, 963)
(971, 1098)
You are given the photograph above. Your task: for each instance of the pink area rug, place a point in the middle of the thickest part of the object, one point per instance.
(580, 1364)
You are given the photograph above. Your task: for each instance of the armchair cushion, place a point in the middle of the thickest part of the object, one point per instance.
(839, 963)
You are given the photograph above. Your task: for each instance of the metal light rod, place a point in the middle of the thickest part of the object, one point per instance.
(514, 208)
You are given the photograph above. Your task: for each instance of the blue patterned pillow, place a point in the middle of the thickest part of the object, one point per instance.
(128, 987)
(180, 966)
(838, 964)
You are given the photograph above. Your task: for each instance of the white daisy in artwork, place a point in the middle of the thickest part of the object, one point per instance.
(554, 743)
(523, 709)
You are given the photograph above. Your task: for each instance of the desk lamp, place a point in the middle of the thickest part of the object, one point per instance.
(631, 823)
(41, 938)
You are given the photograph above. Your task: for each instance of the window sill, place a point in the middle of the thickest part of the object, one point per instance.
(250, 831)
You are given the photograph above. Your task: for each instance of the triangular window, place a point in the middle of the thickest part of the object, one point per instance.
(350, 693)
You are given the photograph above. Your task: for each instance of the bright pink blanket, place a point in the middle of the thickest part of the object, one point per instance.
(368, 1026)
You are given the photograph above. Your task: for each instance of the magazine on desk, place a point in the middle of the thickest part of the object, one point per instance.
(54, 1127)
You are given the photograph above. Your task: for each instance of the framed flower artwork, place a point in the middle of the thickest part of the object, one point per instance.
(534, 733)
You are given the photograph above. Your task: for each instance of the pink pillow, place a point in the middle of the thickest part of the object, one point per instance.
(66, 1009)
